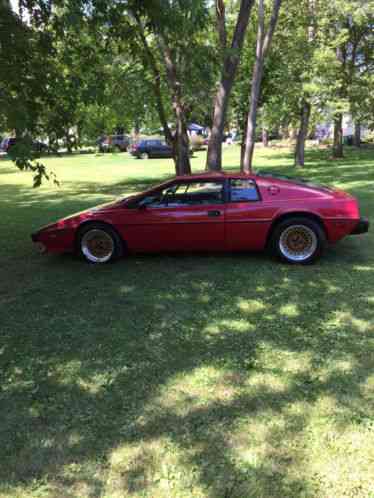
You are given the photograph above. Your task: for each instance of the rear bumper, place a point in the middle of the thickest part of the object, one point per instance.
(361, 227)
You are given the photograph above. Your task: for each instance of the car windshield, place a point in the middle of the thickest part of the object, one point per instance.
(135, 197)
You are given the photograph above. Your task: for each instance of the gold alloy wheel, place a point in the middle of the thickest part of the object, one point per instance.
(97, 245)
(298, 243)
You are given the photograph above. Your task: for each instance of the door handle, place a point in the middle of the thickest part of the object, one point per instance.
(273, 190)
(214, 213)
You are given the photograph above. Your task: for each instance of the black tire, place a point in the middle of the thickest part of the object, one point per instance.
(99, 243)
(298, 240)
(144, 155)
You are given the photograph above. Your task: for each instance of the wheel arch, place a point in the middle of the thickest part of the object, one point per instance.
(294, 214)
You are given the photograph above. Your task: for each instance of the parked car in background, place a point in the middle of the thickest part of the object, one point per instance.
(111, 143)
(151, 148)
(212, 212)
(8, 143)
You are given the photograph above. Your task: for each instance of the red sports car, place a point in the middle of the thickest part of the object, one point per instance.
(212, 212)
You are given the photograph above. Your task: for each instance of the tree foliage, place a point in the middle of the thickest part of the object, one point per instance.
(75, 69)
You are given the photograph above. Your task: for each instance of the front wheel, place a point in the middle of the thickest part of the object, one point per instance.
(298, 240)
(99, 243)
(144, 155)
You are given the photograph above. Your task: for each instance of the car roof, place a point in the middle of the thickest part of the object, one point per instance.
(214, 175)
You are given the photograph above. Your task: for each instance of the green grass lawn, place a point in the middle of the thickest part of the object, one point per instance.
(183, 376)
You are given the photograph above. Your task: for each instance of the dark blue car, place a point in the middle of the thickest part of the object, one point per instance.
(151, 148)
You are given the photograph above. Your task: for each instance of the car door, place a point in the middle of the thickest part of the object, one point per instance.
(158, 149)
(186, 216)
(165, 150)
(154, 148)
(247, 218)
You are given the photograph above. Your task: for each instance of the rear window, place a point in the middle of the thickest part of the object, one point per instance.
(243, 190)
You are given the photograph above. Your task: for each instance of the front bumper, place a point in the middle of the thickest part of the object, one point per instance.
(361, 227)
(40, 247)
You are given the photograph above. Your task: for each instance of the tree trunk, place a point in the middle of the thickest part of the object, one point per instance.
(243, 126)
(337, 150)
(229, 69)
(52, 143)
(252, 116)
(214, 154)
(262, 47)
(79, 135)
(357, 136)
(156, 83)
(302, 134)
(250, 135)
(135, 132)
(181, 140)
(265, 137)
(68, 143)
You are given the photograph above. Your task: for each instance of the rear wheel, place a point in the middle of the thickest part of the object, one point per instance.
(298, 240)
(99, 243)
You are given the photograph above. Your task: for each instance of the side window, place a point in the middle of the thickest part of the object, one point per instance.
(204, 193)
(161, 198)
(186, 194)
(243, 190)
(183, 194)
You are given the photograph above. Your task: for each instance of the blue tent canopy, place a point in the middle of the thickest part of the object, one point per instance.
(195, 127)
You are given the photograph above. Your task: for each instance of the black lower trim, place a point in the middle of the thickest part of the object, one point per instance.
(361, 227)
(34, 236)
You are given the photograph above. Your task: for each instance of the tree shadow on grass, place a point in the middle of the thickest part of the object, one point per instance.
(190, 353)
(196, 375)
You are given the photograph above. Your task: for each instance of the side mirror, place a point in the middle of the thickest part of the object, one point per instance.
(142, 204)
(147, 201)
(168, 196)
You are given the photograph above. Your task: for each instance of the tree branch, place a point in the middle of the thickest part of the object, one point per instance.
(221, 23)
(242, 23)
(271, 28)
(156, 84)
